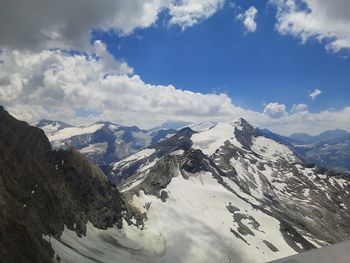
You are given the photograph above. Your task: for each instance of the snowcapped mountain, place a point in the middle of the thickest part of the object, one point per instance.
(216, 192)
(225, 193)
(51, 127)
(102, 142)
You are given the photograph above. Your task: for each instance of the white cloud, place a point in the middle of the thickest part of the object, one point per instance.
(58, 85)
(186, 13)
(55, 84)
(248, 18)
(299, 107)
(315, 94)
(275, 110)
(66, 24)
(311, 123)
(323, 20)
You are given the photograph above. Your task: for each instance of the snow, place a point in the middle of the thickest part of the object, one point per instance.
(196, 224)
(272, 150)
(212, 139)
(126, 245)
(178, 152)
(136, 156)
(51, 128)
(74, 131)
(98, 148)
(203, 126)
(148, 165)
(193, 225)
(306, 192)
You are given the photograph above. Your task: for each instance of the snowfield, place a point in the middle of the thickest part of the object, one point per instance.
(209, 140)
(193, 225)
(74, 131)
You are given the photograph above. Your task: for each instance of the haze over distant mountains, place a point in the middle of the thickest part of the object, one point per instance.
(330, 149)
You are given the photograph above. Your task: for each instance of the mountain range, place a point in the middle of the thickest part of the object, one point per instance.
(212, 192)
(329, 149)
(105, 142)
(101, 142)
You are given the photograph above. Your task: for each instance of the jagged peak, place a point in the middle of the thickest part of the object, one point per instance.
(244, 123)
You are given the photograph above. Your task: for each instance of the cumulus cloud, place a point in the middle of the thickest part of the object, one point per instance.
(42, 24)
(186, 13)
(55, 84)
(88, 87)
(311, 123)
(248, 19)
(299, 107)
(275, 110)
(314, 94)
(323, 20)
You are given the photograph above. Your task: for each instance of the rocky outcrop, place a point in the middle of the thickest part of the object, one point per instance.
(42, 191)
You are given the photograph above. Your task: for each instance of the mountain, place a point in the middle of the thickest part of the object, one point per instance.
(102, 142)
(226, 193)
(331, 136)
(51, 127)
(44, 193)
(219, 193)
(277, 137)
(330, 149)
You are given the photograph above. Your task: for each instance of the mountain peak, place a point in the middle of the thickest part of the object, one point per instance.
(45, 122)
(243, 123)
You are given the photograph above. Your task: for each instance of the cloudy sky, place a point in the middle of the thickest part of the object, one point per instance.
(281, 64)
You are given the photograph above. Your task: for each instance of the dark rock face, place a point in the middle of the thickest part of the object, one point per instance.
(41, 191)
(245, 135)
(180, 141)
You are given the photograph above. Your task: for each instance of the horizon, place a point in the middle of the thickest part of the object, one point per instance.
(177, 126)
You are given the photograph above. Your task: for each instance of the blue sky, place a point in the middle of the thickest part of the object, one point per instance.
(148, 62)
(218, 55)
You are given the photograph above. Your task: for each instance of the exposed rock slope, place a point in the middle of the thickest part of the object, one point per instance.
(42, 192)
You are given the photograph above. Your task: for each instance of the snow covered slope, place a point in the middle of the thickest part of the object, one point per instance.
(102, 142)
(223, 193)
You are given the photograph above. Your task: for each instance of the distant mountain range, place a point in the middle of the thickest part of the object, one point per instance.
(330, 149)
(106, 142)
(332, 137)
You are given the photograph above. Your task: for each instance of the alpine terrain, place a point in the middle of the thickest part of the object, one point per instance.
(214, 192)
(102, 142)
(221, 192)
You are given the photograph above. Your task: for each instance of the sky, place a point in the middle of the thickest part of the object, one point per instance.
(281, 64)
